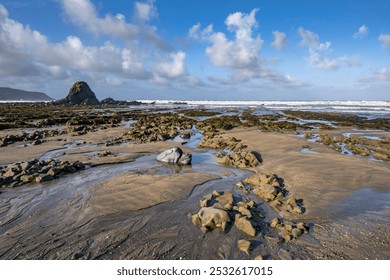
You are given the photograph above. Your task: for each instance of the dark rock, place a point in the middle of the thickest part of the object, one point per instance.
(80, 94)
(44, 178)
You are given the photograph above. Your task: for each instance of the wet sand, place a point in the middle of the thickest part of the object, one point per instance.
(129, 206)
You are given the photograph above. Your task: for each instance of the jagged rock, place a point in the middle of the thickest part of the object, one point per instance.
(175, 155)
(211, 218)
(44, 178)
(80, 94)
(241, 186)
(224, 201)
(244, 225)
(245, 212)
(205, 201)
(196, 220)
(36, 171)
(275, 222)
(243, 245)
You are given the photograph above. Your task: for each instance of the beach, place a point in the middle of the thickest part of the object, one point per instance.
(96, 190)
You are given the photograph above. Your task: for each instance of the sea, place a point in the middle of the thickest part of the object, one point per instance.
(368, 109)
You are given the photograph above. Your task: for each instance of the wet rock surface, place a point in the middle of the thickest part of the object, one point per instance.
(355, 145)
(36, 171)
(34, 137)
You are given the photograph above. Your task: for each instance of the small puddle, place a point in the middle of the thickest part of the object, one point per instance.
(308, 151)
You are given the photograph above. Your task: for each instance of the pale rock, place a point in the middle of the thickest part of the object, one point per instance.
(244, 245)
(211, 218)
(176, 156)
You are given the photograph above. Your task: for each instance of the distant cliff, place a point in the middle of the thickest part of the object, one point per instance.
(12, 94)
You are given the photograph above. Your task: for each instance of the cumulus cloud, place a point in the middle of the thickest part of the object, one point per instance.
(279, 40)
(241, 55)
(385, 39)
(362, 32)
(319, 52)
(83, 14)
(27, 53)
(381, 75)
(145, 11)
(174, 68)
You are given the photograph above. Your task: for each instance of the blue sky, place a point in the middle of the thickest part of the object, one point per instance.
(199, 50)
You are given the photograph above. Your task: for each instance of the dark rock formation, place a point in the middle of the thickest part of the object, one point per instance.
(80, 94)
(111, 101)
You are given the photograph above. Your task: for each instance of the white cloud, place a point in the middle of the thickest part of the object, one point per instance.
(195, 32)
(145, 11)
(381, 75)
(385, 39)
(29, 55)
(319, 52)
(83, 13)
(241, 55)
(363, 31)
(279, 40)
(174, 68)
(351, 61)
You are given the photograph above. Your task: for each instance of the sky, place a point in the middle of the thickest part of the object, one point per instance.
(198, 50)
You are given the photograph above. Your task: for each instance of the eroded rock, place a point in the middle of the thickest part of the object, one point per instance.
(176, 156)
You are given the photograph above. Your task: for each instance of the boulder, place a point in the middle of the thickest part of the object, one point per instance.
(243, 245)
(243, 224)
(224, 201)
(176, 156)
(213, 218)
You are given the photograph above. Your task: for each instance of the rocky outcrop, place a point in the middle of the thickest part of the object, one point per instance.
(175, 156)
(112, 102)
(271, 189)
(161, 127)
(240, 157)
(80, 94)
(36, 171)
(220, 209)
(35, 137)
(289, 230)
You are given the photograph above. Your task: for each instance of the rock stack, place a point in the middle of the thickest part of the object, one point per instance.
(80, 94)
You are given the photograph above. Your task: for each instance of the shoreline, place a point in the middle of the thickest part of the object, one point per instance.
(324, 179)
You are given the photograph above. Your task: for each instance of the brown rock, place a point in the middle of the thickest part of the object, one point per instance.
(225, 201)
(244, 245)
(244, 225)
(274, 222)
(245, 212)
(213, 218)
